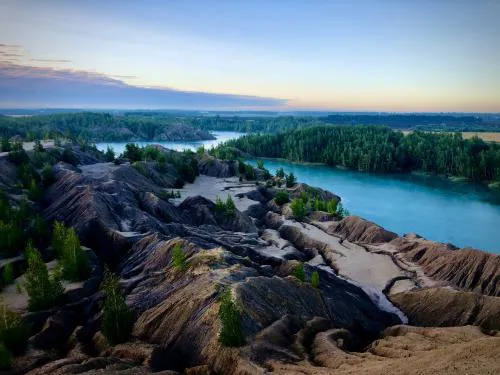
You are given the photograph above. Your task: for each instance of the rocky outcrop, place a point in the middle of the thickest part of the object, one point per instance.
(178, 310)
(300, 188)
(211, 166)
(442, 307)
(105, 202)
(356, 229)
(467, 269)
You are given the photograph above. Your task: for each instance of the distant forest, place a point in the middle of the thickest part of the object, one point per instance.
(97, 127)
(275, 124)
(377, 149)
(165, 126)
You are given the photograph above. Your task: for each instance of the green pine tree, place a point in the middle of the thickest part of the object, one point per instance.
(44, 291)
(117, 318)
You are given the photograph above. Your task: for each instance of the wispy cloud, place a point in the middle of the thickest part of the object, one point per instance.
(31, 86)
(50, 61)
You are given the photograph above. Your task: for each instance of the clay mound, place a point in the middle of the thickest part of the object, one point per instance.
(467, 269)
(445, 308)
(210, 166)
(357, 229)
(300, 188)
(401, 350)
(178, 309)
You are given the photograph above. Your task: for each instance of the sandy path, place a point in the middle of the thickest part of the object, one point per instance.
(356, 263)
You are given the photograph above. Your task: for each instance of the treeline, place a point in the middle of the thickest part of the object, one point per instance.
(413, 121)
(275, 124)
(97, 127)
(379, 149)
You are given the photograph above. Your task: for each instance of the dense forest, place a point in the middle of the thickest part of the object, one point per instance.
(97, 127)
(379, 149)
(170, 126)
(275, 124)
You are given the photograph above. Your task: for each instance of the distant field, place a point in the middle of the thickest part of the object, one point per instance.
(485, 136)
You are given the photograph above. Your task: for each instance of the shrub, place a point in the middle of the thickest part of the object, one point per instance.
(117, 318)
(69, 157)
(315, 279)
(34, 191)
(18, 156)
(142, 168)
(290, 180)
(260, 164)
(11, 239)
(249, 172)
(280, 173)
(231, 333)
(39, 230)
(74, 260)
(150, 152)
(132, 152)
(299, 272)
(332, 206)
(342, 212)
(241, 166)
(5, 145)
(179, 258)
(220, 207)
(230, 207)
(44, 291)
(110, 154)
(5, 358)
(47, 173)
(14, 333)
(161, 162)
(166, 195)
(58, 236)
(187, 173)
(8, 274)
(298, 209)
(281, 197)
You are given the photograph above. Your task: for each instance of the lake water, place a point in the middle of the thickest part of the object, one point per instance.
(119, 147)
(460, 213)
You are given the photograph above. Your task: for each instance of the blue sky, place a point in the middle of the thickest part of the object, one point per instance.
(387, 55)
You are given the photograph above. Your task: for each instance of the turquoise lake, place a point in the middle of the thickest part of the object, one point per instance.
(460, 213)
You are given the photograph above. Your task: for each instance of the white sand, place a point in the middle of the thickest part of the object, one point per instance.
(211, 187)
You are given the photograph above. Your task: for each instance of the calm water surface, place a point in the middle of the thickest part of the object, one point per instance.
(460, 213)
(119, 147)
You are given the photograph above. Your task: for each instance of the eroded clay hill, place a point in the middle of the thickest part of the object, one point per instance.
(375, 288)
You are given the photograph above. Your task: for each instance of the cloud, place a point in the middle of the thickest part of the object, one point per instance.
(29, 86)
(50, 61)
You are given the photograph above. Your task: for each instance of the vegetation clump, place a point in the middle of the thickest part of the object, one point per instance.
(298, 209)
(8, 274)
(315, 279)
(44, 290)
(226, 208)
(231, 333)
(281, 197)
(299, 272)
(14, 332)
(179, 258)
(117, 318)
(73, 259)
(290, 180)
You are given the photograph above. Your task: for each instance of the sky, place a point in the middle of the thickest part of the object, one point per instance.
(358, 55)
